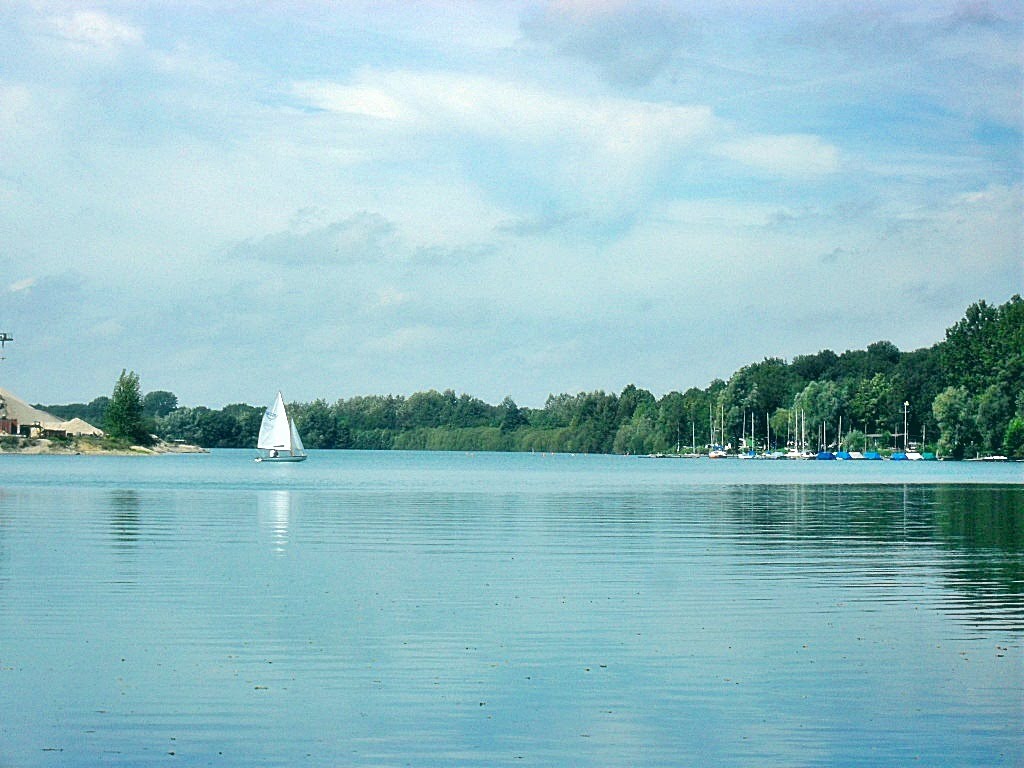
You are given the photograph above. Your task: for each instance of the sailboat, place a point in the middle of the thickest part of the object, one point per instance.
(278, 435)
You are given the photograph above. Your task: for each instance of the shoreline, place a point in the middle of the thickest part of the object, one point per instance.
(86, 447)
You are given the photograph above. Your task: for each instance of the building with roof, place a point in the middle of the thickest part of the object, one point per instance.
(17, 417)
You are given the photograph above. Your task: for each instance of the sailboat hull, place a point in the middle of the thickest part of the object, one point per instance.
(280, 458)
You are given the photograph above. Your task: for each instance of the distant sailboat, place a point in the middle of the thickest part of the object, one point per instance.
(278, 435)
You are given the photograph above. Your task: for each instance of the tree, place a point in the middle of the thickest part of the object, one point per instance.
(987, 346)
(559, 411)
(855, 440)
(815, 367)
(594, 424)
(882, 356)
(818, 404)
(124, 418)
(993, 417)
(423, 409)
(248, 418)
(953, 408)
(633, 400)
(96, 411)
(638, 436)
(511, 416)
(158, 403)
(874, 402)
(1013, 440)
(316, 424)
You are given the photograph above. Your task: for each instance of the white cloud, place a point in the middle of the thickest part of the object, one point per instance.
(793, 154)
(417, 337)
(390, 297)
(19, 286)
(190, 63)
(15, 104)
(354, 100)
(109, 328)
(605, 150)
(95, 30)
(507, 109)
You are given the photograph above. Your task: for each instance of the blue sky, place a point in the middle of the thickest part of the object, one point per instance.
(500, 198)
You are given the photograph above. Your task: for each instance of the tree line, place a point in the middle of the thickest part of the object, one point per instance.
(961, 397)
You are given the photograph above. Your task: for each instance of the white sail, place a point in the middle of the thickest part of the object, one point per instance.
(297, 446)
(275, 432)
(278, 435)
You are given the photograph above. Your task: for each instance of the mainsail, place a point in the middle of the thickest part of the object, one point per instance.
(275, 432)
(278, 435)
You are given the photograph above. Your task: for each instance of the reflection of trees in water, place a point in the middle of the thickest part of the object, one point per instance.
(983, 532)
(977, 532)
(982, 518)
(125, 520)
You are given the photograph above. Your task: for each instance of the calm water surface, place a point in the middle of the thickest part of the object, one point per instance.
(390, 609)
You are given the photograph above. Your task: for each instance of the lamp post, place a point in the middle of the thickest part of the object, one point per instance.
(906, 445)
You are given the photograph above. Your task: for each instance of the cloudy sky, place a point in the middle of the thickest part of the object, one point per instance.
(502, 198)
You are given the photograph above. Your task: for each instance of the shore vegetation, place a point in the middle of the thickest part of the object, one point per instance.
(962, 397)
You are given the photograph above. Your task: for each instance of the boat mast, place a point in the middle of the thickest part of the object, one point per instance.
(906, 444)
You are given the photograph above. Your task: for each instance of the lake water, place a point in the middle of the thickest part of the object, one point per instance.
(392, 609)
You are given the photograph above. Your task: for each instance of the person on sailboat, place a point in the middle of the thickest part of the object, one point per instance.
(273, 453)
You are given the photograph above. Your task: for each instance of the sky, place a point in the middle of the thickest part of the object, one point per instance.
(501, 198)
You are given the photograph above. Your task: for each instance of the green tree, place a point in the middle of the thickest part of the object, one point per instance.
(953, 409)
(855, 440)
(818, 405)
(815, 367)
(638, 436)
(1013, 440)
(158, 403)
(992, 417)
(633, 400)
(248, 418)
(424, 409)
(986, 347)
(558, 411)
(594, 423)
(470, 411)
(511, 416)
(317, 424)
(781, 422)
(874, 402)
(124, 417)
(217, 429)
